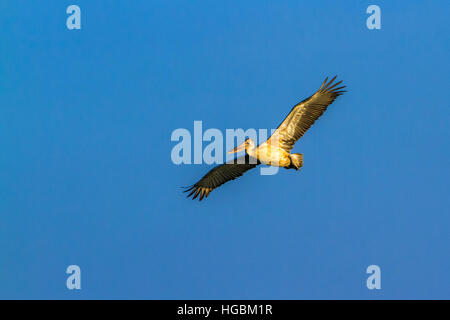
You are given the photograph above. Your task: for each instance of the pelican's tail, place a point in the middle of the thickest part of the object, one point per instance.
(296, 160)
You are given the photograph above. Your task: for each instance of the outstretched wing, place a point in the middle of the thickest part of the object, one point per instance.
(304, 114)
(221, 174)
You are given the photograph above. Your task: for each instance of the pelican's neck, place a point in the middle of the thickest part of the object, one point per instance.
(251, 149)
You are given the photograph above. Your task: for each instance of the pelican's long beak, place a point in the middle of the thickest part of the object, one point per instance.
(238, 148)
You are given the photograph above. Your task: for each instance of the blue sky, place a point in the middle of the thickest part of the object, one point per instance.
(86, 176)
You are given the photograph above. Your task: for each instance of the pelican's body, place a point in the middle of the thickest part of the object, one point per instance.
(270, 154)
(276, 151)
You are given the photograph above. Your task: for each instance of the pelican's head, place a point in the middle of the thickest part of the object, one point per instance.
(247, 144)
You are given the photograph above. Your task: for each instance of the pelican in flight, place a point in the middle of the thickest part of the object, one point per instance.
(275, 151)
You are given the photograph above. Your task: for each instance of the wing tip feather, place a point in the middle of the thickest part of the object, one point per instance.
(332, 88)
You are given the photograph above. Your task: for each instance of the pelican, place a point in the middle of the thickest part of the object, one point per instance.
(275, 151)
